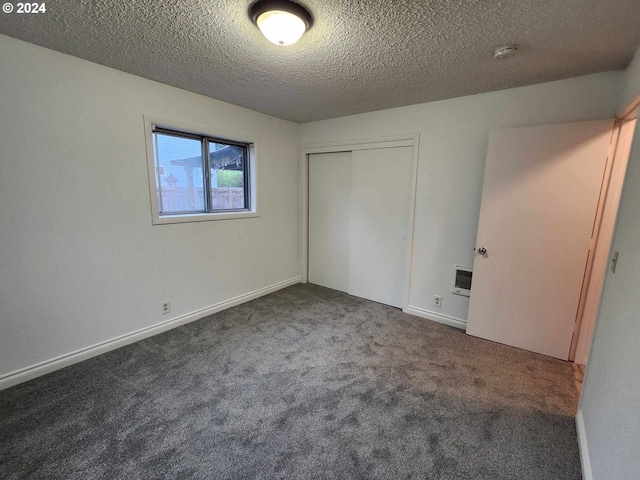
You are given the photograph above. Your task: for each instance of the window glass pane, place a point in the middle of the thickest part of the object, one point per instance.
(227, 176)
(179, 178)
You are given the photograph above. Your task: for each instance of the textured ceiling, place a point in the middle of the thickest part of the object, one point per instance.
(360, 55)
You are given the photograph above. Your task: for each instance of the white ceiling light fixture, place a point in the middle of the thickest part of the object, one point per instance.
(506, 51)
(283, 22)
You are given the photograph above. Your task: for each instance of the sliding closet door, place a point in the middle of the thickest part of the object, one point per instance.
(329, 219)
(380, 196)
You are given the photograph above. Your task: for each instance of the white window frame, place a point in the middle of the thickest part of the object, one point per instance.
(252, 212)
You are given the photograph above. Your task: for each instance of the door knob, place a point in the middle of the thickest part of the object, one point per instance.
(482, 250)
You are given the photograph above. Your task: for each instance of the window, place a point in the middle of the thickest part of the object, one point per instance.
(199, 177)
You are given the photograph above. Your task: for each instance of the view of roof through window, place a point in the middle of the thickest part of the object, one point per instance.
(180, 180)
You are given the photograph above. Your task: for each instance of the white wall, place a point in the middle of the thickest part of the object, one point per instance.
(80, 261)
(453, 144)
(609, 411)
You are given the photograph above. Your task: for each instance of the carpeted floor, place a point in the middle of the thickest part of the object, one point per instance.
(305, 383)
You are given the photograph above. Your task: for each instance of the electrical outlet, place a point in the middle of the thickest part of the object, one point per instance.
(165, 307)
(437, 300)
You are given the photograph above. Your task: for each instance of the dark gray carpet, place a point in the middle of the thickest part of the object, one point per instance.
(305, 383)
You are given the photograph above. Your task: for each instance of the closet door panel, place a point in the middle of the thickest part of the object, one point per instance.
(329, 219)
(379, 220)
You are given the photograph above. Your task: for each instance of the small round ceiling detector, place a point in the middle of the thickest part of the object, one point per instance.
(506, 51)
(282, 22)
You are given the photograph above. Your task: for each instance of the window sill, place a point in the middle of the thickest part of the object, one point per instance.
(203, 217)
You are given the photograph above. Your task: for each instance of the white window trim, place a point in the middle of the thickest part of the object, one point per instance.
(156, 218)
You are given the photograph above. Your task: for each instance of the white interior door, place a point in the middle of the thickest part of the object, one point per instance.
(380, 196)
(539, 200)
(329, 219)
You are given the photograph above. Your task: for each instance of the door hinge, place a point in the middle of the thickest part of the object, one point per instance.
(614, 262)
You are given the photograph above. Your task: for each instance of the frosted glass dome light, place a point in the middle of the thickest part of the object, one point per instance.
(281, 21)
(281, 28)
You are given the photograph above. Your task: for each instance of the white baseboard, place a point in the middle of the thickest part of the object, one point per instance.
(13, 378)
(582, 446)
(436, 317)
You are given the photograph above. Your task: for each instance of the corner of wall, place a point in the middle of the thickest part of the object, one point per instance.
(585, 461)
(630, 89)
